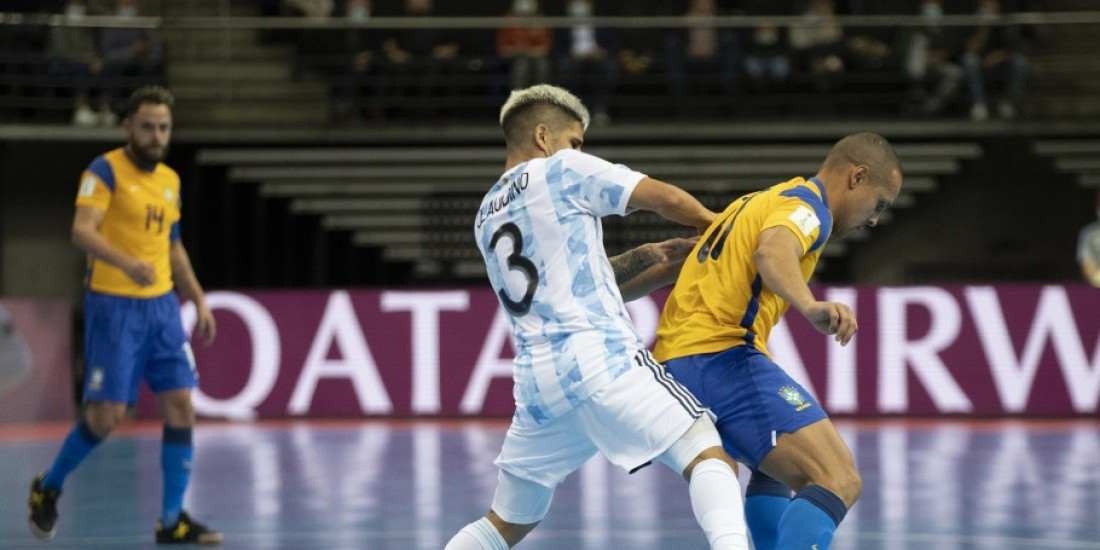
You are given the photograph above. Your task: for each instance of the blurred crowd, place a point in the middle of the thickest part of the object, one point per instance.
(377, 74)
(96, 67)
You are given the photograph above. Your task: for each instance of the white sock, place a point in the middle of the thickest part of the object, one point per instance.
(479, 535)
(716, 501)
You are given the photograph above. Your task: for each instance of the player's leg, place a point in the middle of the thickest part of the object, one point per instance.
(766, 500)
(754, 401)
(98, 420)
(646, 415)
(110, 355)
(533, 460)
(816, 463)
(712, 484)
(170, 373)
(523, 502)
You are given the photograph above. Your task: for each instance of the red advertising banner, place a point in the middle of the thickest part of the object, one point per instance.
(966, 350)
(35, 360)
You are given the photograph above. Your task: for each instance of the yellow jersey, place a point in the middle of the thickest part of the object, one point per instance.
(719, 300)
(141, 212)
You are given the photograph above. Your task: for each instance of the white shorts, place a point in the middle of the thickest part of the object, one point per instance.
(631, 421)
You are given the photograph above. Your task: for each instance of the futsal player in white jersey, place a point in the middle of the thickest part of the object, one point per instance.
(584, 382)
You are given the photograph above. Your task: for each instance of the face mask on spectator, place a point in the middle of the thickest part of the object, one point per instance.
(524, 7)
(931, 10)
(580, 9)
(359, 12)
(75, 10)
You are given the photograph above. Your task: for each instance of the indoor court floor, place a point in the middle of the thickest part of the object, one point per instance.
(371, 484)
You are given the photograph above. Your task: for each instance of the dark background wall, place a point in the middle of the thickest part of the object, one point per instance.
(1007, 216)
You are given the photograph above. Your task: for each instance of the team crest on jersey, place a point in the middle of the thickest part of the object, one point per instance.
(794, 397)
(87, 186)
(805, 219)
(95, 382)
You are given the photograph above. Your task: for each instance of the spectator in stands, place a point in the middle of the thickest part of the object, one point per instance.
(927, 61)
(132, 59)
(74, 58)
(1088, 249)
(319, 9)
(527, 49)
(312, 46)
(586, 60)
(818, 42)
(358, 79)
(766, 62)
(424, 56)
(997, 53)
(701, 51)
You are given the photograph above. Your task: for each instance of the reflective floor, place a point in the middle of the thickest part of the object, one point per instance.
(379, 485)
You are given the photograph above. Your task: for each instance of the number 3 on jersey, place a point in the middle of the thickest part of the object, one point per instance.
(517, 262)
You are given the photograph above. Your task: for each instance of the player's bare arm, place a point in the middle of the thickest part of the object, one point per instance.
(86, 235)
(671, 203)
(776, 257)
(183, 275)
(642, 270)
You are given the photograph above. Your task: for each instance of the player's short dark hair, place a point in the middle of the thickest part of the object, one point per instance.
(866, 148)
(149, 95)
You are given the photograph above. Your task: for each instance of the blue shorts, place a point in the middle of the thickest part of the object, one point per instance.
(127, 339)
(752, 398)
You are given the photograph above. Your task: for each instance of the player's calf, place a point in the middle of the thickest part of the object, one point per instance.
(712, 484)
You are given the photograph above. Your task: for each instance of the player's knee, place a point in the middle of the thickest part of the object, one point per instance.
(512, 533)
(844, 481)
(102, 418)
(518, 506)
(700, 442)
(850, 486)
(716, 453)
(179, 410)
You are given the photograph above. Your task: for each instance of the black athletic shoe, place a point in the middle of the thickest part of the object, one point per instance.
(187, 531)
(43, 505)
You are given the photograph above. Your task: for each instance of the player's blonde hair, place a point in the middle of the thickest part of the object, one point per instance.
(544, 94)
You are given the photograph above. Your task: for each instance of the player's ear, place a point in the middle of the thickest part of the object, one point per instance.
(542, 135)
(858, 176)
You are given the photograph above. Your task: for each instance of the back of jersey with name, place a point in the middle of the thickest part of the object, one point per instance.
(539, 232)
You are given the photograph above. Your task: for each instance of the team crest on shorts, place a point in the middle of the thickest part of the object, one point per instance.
(96, 381)
(794, 397)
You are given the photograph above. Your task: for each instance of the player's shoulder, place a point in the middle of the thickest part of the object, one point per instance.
(799, 189)
(167, 173)
(103, 166)
(577, 160)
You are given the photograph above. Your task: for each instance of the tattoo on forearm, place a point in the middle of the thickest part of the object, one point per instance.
(632, 263)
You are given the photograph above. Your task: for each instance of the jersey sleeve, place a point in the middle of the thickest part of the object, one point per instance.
(599, 187)
(805, 214)
(97, 185)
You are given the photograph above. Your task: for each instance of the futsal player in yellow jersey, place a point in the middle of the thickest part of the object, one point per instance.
(127, 221)
(748, 266)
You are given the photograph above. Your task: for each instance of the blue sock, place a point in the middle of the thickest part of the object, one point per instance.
(80, 441)
(175, 464)
(765, 501)
(810, 519)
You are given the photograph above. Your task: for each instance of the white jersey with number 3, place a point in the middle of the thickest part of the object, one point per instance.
(539, 232)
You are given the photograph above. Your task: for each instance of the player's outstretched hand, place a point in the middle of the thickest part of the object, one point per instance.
(141, 272)
(205, 325)
(833, 318)
(671, 254)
